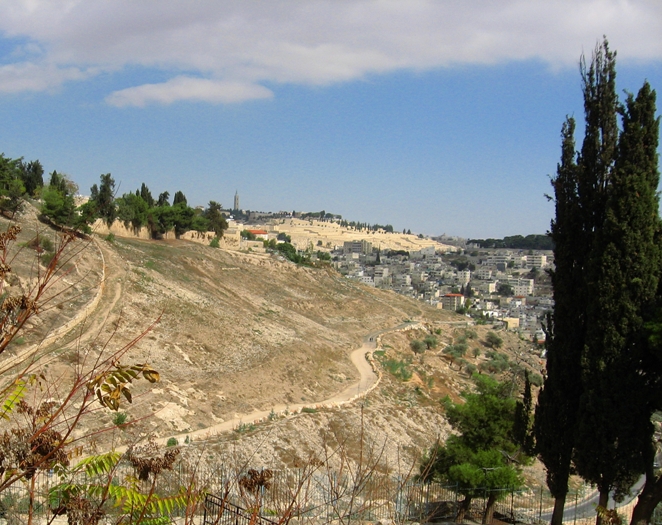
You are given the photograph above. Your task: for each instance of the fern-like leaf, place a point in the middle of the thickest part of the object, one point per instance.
(110, 386)
(101, 464)
(16, 395)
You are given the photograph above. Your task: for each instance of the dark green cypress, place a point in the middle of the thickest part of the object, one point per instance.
(146, 195)
(555, 417)
(179, 198)
(32, 174)
(638, 177)
(103, 197)
(596, 167)
(594, 408)
(522, 431)
(614, 431)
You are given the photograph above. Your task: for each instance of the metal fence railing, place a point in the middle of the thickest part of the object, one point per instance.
(218, 511)
(319, 495)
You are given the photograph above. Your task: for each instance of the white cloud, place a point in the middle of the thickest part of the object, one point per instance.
(187, 88)
(315, 41)
(28, 76)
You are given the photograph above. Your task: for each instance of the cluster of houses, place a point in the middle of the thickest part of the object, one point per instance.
(496, 284)
(500, 285)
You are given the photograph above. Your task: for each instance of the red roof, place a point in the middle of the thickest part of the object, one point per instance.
(259, 232)
(454, 295)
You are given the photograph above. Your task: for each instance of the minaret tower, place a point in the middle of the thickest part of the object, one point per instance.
(236, 200)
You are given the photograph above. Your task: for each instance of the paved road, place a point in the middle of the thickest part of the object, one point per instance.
(585, 508)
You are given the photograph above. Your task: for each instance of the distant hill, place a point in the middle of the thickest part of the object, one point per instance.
(517, 242)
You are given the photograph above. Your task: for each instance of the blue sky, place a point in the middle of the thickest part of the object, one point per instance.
(439, 117)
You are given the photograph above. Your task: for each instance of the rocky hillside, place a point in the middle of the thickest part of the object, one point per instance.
(232, 333)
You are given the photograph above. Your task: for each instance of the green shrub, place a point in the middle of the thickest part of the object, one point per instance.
(289, 251)
(119, 419)
(214, 243)
(417, 346)
(399, 369)
(110, 237)
(462, 347)
(535, 379)
(172, 442)
(46, 244)
(40, 242)
(493, 340)
(244, 427)
(46, 258)
(456, 351)
(498, 363)
(308, 410)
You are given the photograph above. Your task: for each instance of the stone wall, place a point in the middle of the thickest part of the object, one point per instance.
(230, 240)
(120, 230)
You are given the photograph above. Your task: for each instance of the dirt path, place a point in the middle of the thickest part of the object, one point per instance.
(90, 320)
(111, 293)
(367, 381)
(90, 323)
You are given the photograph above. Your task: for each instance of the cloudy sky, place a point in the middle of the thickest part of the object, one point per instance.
(438, 116)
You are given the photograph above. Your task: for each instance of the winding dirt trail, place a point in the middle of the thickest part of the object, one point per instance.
(368, 380)
(111, 292)
(89, 324)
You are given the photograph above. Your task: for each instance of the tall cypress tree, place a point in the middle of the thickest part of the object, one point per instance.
(555, 418)
(602, 279)
(637, 166)
(32, 174)
(594, 408)
(621, 278)
(103, 198)
(146, 195)
(179, 198)
(522, 431)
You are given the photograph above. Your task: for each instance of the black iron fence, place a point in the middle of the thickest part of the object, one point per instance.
(315, 495)
(324, 496)
(218, 511)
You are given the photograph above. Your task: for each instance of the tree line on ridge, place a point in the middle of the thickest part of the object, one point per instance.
(20, 180)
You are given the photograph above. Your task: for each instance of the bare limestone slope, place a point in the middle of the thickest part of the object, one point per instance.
(240, 334)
